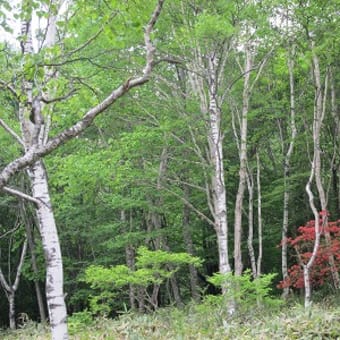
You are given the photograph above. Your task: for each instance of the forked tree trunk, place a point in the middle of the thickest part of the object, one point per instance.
(34, 132)
(11, 289)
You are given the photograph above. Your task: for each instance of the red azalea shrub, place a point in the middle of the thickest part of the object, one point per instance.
(303, 245)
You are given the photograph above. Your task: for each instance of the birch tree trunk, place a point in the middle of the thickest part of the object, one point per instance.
(335, 163)
(251, 251)
(34, 133)
(11, 313)
(218, 190)
(243, 164)
(37, 145)
(319, 114)
(286, 171)
(259, 215)
(315, 174)
(52, 252)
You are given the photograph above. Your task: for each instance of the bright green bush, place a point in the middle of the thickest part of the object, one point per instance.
(78, 321)
(243, 291)
(152, 267)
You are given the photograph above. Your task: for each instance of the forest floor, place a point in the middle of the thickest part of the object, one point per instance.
(197, 322)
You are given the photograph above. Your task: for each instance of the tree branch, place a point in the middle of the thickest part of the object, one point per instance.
(38, 151)
(20, 194)
(20, 265)
(9, 87)
(91, 39)
(58, 99)
(190, 205)
(11, 132)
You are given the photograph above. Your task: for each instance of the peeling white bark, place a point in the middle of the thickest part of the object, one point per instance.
(218, 189)
(52, 252)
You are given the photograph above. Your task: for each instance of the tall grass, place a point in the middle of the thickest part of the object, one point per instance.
(200, 321)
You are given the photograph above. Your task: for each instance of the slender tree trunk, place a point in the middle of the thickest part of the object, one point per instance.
(130, 257)
(175, 289)
(251, 251)
(259, 215)
(11, 313)
(315, 174)
(286, 171)
(335, 163)
(308, 288)
(308, 266)
(190, 247)
(161, 241)
(320, 107)
(243, 165)
(31, 247)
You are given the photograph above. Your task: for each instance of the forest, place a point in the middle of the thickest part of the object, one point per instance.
(169, 168)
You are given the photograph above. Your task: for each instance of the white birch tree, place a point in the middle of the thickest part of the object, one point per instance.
(36, 144)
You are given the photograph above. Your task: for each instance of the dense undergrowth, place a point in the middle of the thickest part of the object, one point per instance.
(204, 321)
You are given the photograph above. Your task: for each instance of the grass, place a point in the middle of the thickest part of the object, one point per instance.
(204, 321)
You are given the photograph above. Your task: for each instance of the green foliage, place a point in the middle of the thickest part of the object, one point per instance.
(212, 25)
(243, 291)
(78, 321)
(152, 267)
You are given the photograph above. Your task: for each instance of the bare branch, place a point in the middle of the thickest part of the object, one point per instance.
(20, 194)
(10, 232)
(91, 39)
(20, 265)
(4, 282)
(190, 205)
(261, 67)
(177, 180)
(11, 132)
(58, 99)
